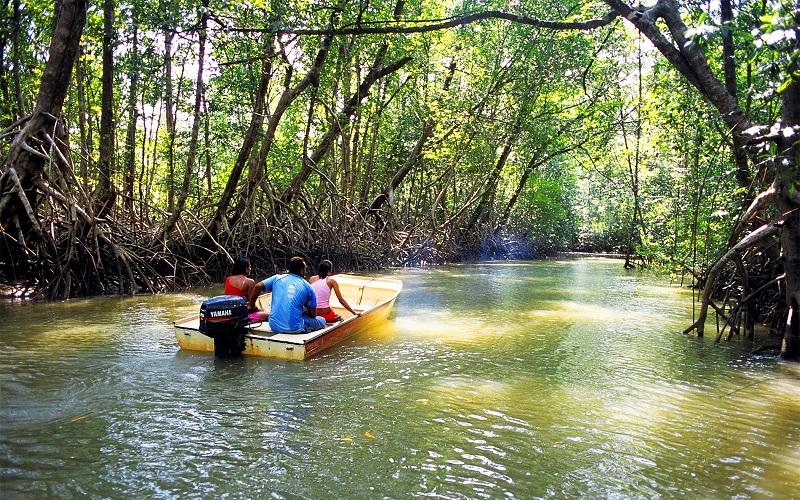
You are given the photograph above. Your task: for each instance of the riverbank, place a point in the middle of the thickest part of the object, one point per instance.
(570, 255)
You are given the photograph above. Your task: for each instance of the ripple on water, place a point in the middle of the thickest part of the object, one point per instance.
(544, 379)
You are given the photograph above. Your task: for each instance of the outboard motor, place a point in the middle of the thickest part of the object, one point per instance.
(224, 319)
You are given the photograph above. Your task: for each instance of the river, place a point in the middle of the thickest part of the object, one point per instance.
(516, 380)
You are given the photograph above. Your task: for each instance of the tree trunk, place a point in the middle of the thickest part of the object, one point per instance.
(344, 135)
(402, 172)
(150, 174)
(104, 195)
(16, 23)
(684, 55)
(130, 137)
(28, 167)
(690, 61)
(288, 96)
(788, 198)
(536, 161)
(633, 167)
(366, 181)
(145, 176)
(377, 72)
(729, 68)
(207, 150)
(7, 109)
(170, 116)
(82, 122)
(256, 121)
(351, 184)
(485, 201)
(192, 153)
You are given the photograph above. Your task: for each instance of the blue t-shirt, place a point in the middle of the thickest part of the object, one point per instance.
(290, 293)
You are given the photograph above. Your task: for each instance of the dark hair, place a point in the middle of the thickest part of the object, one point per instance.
(240, 265)
(296, 265)
(324, 268)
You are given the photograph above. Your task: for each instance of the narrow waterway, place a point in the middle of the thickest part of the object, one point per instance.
(519, 380)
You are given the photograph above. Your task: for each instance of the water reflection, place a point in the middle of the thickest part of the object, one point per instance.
(564, 378)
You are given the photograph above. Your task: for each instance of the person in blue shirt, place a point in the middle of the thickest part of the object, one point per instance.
(294, 303)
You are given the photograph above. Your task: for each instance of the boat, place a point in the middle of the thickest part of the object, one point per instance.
(372, 297)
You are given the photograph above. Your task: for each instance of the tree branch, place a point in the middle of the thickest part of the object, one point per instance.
(449, 23)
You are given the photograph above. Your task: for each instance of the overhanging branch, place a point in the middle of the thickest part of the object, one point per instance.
(404, 26)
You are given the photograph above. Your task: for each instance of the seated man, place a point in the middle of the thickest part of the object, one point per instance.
(294, 304)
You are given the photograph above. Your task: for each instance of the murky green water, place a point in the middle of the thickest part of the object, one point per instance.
(501, 380)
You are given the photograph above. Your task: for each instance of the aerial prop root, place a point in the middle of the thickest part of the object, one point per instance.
(103, 243)
(16, 189)
(754, 238)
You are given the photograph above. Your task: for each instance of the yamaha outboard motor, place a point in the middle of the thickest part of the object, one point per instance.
(224, 319)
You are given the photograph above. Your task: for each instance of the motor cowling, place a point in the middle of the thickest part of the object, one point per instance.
(224, 319)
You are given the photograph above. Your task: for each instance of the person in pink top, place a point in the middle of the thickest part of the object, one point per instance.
(322, 283)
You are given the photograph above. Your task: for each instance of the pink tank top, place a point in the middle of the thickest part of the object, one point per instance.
(323, 292)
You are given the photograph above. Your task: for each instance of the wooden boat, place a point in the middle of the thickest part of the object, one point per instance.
(372, 297)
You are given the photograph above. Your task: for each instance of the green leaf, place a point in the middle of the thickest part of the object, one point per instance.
(783, 86)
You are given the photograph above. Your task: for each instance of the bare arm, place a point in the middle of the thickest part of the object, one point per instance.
(343, 302)
(247, 287)
(253, 295)
(310, 306)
